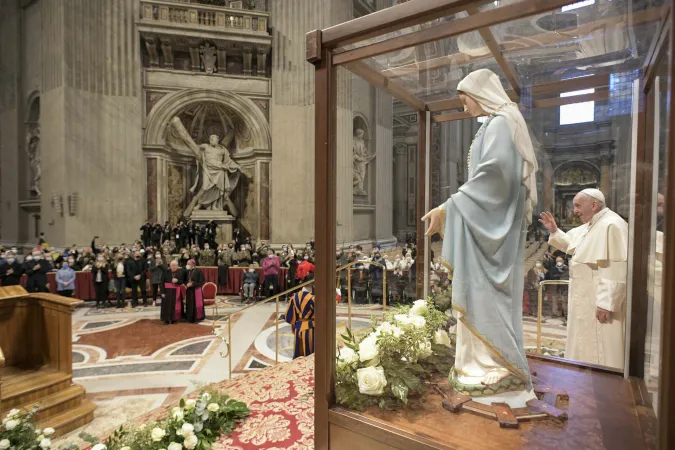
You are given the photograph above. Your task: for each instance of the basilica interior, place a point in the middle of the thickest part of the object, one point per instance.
(289, 129)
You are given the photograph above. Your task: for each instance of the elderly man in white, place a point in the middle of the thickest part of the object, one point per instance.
(597, 291)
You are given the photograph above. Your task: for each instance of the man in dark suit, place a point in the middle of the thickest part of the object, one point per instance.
(135, 269)
(10, 273)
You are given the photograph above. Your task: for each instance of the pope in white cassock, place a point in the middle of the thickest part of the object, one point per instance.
(597, 290)
(484, 227)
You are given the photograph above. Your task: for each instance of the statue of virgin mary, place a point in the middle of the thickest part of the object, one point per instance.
(484, 228)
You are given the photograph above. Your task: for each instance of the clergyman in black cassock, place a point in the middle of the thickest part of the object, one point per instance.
(172, 297)
(194, 299)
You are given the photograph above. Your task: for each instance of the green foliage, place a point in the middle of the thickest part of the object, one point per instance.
(209, 416)
(407, 354)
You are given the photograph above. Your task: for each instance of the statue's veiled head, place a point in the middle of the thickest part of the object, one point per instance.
(214, 139)
(358, 133)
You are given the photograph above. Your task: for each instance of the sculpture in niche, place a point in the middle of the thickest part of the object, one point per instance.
(361, 160)
(483, 228)
(218, 173)
(33, 151)
(209, 58)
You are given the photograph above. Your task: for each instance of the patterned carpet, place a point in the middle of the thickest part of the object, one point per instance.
(281, 400)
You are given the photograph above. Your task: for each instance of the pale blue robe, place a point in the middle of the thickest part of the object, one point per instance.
(484, 241)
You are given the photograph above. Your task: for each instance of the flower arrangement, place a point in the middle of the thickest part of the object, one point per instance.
(193, 425)
(406, 347)
(18, 432)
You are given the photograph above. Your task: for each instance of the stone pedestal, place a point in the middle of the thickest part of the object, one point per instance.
(222, 218)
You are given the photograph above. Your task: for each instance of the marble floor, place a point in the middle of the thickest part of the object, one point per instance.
(130, 363)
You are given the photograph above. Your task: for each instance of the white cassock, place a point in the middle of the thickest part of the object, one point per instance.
(598, 267)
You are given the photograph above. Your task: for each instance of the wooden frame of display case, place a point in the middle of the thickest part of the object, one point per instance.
(324, 50)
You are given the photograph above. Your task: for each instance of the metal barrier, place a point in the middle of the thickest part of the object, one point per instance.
(227, 319)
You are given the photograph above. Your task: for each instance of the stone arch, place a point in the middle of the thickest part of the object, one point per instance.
(172, 104)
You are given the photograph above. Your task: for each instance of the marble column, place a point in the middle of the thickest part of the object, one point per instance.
(400, 178)
(91, 116)
(222, 60)
(10, 122)
(261, 62)
(194, 57)
(384, 164)
(292, 121)
(549, 181)
(248, 59)
(606, 178)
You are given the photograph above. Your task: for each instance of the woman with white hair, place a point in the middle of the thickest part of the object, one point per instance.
(484, 226)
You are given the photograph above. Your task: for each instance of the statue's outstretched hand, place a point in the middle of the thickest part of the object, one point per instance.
(434, 217)
(548, 221)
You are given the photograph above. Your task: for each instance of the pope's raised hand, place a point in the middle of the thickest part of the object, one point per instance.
(434, 217)
(548, 221)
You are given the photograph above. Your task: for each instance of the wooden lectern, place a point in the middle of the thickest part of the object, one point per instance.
(36, 364)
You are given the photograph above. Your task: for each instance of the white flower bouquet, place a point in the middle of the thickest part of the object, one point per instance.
(193, 425)
(19, 432)
(406, 346)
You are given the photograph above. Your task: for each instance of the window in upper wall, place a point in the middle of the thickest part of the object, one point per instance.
(578, 5)
(577, 112)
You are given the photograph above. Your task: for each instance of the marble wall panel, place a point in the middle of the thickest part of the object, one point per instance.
(176, 183)
(264, 203)
(151, 170)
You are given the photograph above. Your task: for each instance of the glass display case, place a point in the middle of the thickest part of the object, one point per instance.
(504, 165)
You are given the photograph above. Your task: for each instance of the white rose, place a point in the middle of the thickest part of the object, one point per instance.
(425, 349)
(387, 328)
(419, 307)
(347, 356)
(213, 407)
(45, 444)
(177, 413)
(368, 348)
(418, 321)
(190, 404)
(206, 396)
(191, 442)
(5, 444)
(11, 424)
(371, 380)
(126, 447)
(175, 446)
(404, 320)
(48, 432)
(441, 337)
(99, 447)
(157, 435)
(186, 430)
(13, 413)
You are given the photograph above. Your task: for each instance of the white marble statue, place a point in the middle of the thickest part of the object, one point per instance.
(484, 227)
(218, 172)
(361, 160)
(33, 150)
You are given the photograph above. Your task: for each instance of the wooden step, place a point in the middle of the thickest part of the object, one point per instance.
(57, 402)
(70, 420)
(21, 387)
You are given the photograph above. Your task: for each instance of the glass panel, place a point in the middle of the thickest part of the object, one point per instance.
(589, 38)
(544, 298)
(544, 48)
(658, 112)
(375, 224)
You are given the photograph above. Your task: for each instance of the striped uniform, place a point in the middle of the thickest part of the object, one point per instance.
(300, 315)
